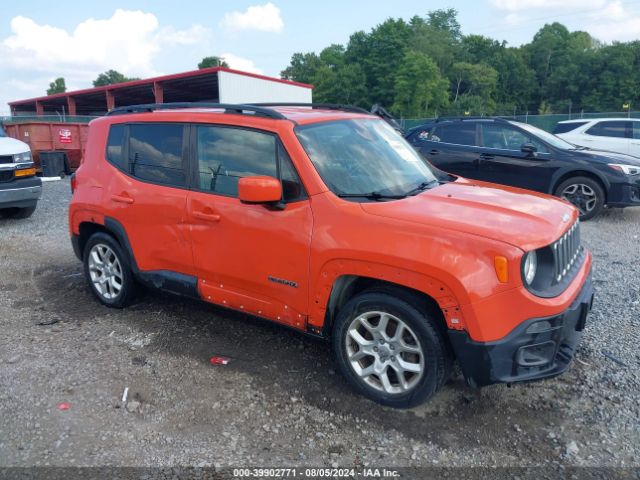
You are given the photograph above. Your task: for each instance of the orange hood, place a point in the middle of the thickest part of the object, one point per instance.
(524, 219)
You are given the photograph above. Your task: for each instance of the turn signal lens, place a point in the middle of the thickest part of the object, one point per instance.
(26, 172)
(502, 268)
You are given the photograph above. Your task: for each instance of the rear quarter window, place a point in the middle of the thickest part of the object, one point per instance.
(115, 146)
(567, 127)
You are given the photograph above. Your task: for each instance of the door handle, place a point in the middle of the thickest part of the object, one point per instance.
(433, 151)
(486, 156)
(122, 199)
(207, 217)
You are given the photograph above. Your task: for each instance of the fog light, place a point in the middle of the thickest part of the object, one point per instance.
(541, 326)
(536, 355)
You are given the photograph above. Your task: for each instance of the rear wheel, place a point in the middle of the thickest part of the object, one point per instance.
(584, 193)
(108, 272)
(390, 351)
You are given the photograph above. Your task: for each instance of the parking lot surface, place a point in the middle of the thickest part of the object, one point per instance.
(279, 401)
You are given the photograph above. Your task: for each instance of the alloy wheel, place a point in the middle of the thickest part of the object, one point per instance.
(105, 271)
(384, 352)
(582, 196)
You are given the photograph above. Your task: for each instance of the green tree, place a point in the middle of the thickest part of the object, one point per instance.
(473, 78)
(57, 86)
(302, 68)
(212, 61)
(344, 85)
(111, 77)
(419, 87)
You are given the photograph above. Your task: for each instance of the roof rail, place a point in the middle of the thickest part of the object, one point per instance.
(472, 117)
(228, 108)
(326, 106)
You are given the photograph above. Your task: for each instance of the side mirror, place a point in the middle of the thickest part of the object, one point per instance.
(259, 189)
(528, 148)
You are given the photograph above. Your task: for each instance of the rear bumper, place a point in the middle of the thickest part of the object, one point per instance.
(538, 348)
(20, 192)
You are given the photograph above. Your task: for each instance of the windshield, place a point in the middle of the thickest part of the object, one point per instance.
(550, 138)
(364, 156)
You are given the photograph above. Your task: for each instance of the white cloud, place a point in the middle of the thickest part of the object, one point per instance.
(614, 22)
(264, 18)
(128, 41)
(239, 63)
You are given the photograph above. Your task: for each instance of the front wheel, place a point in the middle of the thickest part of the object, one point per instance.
(584, 193)
(390, 351)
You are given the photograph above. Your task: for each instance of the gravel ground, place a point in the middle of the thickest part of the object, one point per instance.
(280, 402)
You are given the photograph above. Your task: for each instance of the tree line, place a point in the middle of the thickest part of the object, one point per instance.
(426, 67)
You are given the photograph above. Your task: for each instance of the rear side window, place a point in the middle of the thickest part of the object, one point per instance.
(155, 153)
(567, 127)
(115, 146)
(226, 154)
(458, 133)
(614, 128)
(420, 135)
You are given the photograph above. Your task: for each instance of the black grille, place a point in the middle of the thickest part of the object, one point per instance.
(6, 176)
(6, 158)
(566, 251)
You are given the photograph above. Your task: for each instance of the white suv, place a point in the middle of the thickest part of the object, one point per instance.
(620, 135)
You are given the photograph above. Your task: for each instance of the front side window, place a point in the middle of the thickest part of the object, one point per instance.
(503, 137)
(614, 128)
(567, 127)
(155, 153)
(226, 154)
(463, 133)
(358, 157)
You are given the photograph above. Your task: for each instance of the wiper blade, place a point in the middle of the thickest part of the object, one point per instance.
(371, 196)
(424, 186)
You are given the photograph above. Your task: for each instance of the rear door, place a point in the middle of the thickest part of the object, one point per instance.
(451, 147)
(253, 258)
(147, 193)
(610, 135)
(634, 144)
(501, 159)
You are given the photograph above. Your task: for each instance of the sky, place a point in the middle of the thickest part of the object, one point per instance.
(42, 40)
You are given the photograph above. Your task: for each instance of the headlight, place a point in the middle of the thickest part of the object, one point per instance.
(22, 157)
(626, 169)
(530, 267)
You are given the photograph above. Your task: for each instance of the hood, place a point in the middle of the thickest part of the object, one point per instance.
(521, 218)
(11, 146)
(605, 157)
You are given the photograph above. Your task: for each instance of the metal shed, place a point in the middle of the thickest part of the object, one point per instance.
(215, 84)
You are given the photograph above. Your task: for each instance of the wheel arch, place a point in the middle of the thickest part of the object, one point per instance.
(111, 227)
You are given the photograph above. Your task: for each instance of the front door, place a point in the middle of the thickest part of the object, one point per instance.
(501, 159)
(451, 147)
(253, 258)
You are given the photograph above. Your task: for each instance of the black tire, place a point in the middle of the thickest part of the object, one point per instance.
(127, 291)
(18, 213)
(437, 359)
(580, 200)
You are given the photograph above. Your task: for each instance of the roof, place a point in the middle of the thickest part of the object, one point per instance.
(584, 120)
(162, 78)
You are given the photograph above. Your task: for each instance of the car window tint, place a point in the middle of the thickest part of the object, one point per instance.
(115, 146)
(636, 130)
(567, 127)
(614, 128)
(227, 154)
(458, 134)
(292, 189)
(503, 137)
(420, 135)
(155, 153)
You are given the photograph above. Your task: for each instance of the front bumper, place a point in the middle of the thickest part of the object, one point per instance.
(624, 194)
(21, 192)
(538, 348)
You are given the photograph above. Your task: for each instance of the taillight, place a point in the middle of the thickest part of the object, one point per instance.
(73, 182)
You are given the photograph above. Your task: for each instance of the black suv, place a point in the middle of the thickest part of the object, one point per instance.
(520, 155)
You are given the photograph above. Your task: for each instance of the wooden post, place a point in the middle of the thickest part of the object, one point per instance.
(111, 101)
(71, 106)
(39, 108)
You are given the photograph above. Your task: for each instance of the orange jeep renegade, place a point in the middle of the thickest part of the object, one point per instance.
(323, 219)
